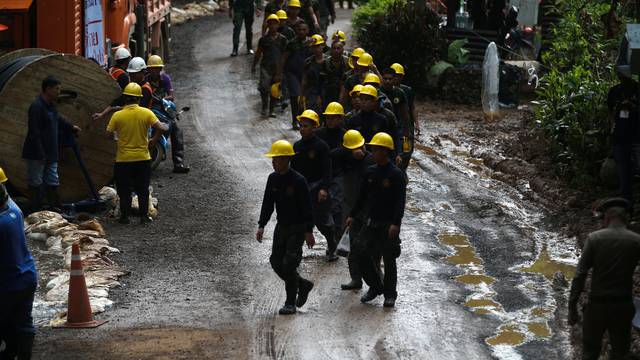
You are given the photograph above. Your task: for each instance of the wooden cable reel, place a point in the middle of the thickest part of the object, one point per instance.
(86, 89)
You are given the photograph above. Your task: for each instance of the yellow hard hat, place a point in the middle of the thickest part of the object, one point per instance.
(371, 78)
(365, 59)
(356, 90)
(317, 39)
(294, 3)
(340, 35)
(334, 108)
(133, 89)
(399, 69)
(275, 90)
(382, 139)
(369, 90)
(282, 15)
(357, 52)
(273, 17)
(3, 177)
(154, 61)
(310, 115)
(280, 148)
(352, 140)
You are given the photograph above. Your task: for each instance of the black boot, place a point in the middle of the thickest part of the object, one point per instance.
(35, 199)
(24, 346)
(272, 104)
(303, 292)
(53, 198)
(235, 51)
(264, 98)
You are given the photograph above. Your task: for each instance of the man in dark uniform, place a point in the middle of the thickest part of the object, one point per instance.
(313, 161)
(284, 27)
(408, 91)
(354, 100)
(309, 12)
(361, 67)
(271, 8)
(333, 72)
(400, 105)
(288, 191)
(18, 281)
(270, 49)
(327, 14)
(332, 133)
(292, 66)
(613, 254)
(312, 84)
(384, 192)
(624, 119)
(354, 161)
(241, 11)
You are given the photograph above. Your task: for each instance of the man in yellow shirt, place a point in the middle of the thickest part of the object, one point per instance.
(132, 168)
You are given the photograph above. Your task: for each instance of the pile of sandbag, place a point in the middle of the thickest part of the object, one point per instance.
(101, 273)
(194, 10)
(111, 199)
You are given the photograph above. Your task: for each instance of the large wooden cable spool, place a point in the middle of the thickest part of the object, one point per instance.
(89, 89)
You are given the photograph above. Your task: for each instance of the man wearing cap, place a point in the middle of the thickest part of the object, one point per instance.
(284, 27)
(383, 192)
(41, 145)
(612, 254)
(18, 280)
(132, 168)
(353, 105)
(409, 93)
(287, 190)
(271, 8)
(312, 84)
(362, 66)
(313, 161)
(400, 105)
(270, 49)
(624, 119)
(354, 160)
(241, 11)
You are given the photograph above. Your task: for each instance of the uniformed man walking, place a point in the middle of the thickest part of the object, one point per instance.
(383, 192)
(613, 254)
(270, 49)
(287, 190)
(400, 105)
(312, 84)
(313, 161)
(241, 11)
(333, 72)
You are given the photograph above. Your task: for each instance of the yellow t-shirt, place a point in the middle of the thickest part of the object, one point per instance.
(132, 126)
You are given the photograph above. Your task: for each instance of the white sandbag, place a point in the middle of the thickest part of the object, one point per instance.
(491, 83)
(37, 236)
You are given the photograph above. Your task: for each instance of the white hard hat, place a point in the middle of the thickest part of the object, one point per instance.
(122, 53)
(136, 64)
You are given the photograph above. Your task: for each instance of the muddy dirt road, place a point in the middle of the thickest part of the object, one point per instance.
(474, 274)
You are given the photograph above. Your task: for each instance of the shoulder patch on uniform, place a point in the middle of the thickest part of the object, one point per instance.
(290, 190)
(312, 154)
(386, 183)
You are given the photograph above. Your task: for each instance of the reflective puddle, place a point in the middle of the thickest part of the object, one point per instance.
(507, 335)
(548, 267)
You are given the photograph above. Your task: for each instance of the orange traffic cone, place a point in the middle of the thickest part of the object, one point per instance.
(79, 313)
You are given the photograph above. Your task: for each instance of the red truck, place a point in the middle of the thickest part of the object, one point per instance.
(90, 28)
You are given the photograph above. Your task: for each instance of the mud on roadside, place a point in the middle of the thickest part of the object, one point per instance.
(515, 153)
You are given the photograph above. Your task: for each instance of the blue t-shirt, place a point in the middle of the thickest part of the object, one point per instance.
(17, 268)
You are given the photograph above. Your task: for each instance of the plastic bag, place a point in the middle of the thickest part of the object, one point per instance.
(345, 245)
(490, 83)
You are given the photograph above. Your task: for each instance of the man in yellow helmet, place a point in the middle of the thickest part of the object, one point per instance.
(132, 167)
(382, 201)
(361, 67)
(312, 78)
(18, 280)
(270, 49)
(287, 191)
(285, 28)
(333, 72)
(272, 8)
(313, 161)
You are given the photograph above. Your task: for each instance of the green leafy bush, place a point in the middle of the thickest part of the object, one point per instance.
(572, 108)
(397, 31)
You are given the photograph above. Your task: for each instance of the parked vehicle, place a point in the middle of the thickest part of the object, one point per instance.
(167, 113)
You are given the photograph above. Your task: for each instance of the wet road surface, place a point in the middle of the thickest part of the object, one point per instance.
(474, 274)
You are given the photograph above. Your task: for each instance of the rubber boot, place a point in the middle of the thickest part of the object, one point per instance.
(53, 198)
(272, 104)
(35, 199)
(264, 97)
(24, 346)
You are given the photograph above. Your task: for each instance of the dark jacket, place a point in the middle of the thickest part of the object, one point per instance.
(44, 129)
(289, 194)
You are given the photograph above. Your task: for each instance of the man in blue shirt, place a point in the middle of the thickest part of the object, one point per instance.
(18, 280)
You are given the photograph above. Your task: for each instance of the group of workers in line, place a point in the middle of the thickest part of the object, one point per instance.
(346, 174)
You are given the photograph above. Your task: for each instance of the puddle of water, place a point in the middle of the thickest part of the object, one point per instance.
(475, 279)
(481, 303)
(548, 267)
(539, 329)
(508, 335)
(465, 255)
(454, 239)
